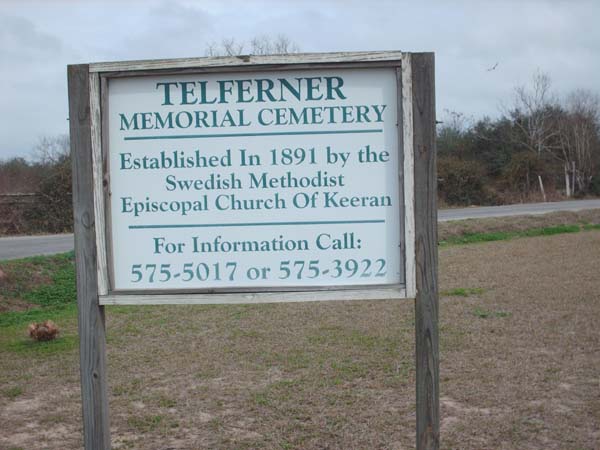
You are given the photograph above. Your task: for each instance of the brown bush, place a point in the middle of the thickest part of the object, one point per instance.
(43, 331)
(53, 213)
(462, 182)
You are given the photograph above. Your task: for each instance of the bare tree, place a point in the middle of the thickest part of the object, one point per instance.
(279, 45)
(51, 150)
(53, 210)
(534, 115)
(17, 175)
(455, 120)
(579, 132)
(227, 47)
(259, 45)
(451, 131)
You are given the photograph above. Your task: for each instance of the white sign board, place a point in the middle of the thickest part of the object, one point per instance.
(255, 180)
(223, 180)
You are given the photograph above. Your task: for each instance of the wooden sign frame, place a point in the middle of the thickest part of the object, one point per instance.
(416, 107)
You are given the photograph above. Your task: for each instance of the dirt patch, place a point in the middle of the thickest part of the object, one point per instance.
(13, 304)
(520, 365)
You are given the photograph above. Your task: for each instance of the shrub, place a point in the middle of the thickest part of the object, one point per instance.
(54, 212)
(595, 185)
(43, 331)
(462, 182)
(520, 174)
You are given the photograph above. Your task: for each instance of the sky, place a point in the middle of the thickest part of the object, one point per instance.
(483, 49)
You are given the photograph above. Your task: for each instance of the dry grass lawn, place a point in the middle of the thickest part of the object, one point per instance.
(516, 223)
(520, 365)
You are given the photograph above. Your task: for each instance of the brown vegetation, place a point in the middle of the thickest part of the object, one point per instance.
(541, 148)
(43, 331)
(35, 196)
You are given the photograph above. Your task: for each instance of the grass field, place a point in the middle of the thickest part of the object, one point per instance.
(519, 344)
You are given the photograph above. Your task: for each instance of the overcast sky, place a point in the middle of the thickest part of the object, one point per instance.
(39, 38)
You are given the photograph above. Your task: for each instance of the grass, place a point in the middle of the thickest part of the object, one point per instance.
(587, 218)
(462, 292)
(591, 226)
(46, 285)
(146, 423)
(475, 238)
(48, 282)
(44, 280)
(58, 345)
(166, 402)
(486, 314)
(315, 375)
(12, 392)
(128, 388)
(18, 319)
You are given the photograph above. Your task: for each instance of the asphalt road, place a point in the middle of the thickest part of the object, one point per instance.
(23, 246)
(512, 210)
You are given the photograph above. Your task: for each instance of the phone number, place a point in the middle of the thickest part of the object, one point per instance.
(288, 269)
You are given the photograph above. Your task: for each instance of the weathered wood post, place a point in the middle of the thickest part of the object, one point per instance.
(426, 303)
(92, 337)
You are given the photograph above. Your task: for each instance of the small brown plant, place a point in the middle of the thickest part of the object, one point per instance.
(43, 331)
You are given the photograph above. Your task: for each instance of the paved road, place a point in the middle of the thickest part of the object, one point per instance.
(20, 247)
(514, 210)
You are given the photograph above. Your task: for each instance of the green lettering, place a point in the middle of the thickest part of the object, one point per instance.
(167, 122)
(223, 89)
(262, 90)
(339, 82)
(311, 88)
(167, 91)
(295, 92)
(186, 91)
(244, 90)
(126, 125)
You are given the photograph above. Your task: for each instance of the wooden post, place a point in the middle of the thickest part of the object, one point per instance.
(92, 338)
(426, 302)
(567, 181)
(542, 187)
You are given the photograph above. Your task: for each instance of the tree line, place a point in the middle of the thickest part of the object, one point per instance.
(48, 175)
(541, 147)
